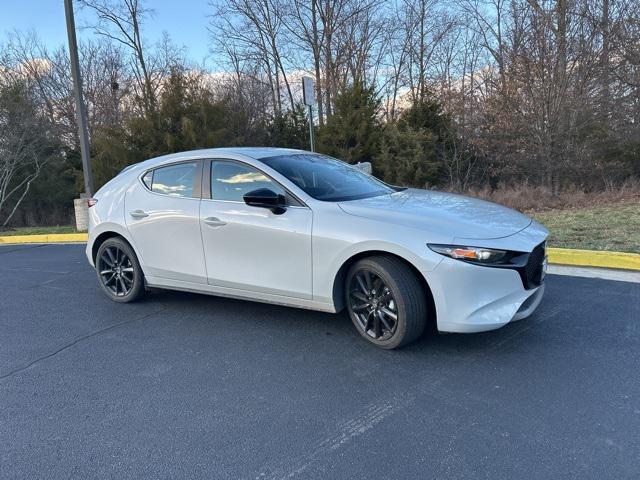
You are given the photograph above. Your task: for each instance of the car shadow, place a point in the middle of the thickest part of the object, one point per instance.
(272, 319)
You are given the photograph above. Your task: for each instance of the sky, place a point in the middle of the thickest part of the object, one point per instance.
(184, 20)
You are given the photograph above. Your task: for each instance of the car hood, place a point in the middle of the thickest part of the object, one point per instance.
(445, 213)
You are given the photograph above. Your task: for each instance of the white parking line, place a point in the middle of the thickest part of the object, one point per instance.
(345, 432)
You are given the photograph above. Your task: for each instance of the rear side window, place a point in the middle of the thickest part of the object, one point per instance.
(231, 180)
(174, 180)
(148, 179)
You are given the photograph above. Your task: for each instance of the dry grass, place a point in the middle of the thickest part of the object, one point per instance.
(538, 199)
(605, 220)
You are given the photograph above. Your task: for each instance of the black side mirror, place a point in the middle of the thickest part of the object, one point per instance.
(266, 198)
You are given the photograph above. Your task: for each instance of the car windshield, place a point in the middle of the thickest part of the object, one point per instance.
(325, 178)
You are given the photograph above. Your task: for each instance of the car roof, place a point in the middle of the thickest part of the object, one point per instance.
(255, 153)
(258, 153)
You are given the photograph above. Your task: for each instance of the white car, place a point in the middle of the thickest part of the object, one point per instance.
(305, 230)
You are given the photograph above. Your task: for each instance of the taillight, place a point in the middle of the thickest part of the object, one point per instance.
(91, 202)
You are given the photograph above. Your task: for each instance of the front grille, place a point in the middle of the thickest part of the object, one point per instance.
(532, 272)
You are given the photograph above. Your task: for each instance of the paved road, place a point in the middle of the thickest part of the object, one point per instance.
(188, 386)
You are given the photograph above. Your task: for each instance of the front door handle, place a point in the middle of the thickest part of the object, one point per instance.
(138, 214)
(214, 222)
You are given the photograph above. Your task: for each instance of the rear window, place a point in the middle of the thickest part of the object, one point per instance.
(174, 180)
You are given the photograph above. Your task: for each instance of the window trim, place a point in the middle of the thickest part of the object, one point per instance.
(206, 183)
(196, 192)
(144, 174)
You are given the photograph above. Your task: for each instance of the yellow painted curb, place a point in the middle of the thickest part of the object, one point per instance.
(46, 238)
(592, 258)
(559, 256)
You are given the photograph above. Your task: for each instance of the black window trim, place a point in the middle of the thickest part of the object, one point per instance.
(196, 192)
(206, 182)
(144, 174)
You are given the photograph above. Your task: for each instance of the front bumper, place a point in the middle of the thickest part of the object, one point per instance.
(471, 298)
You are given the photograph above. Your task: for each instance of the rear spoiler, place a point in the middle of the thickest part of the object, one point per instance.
(128, 167)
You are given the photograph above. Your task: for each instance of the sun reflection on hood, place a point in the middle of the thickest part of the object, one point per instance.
(446, 213)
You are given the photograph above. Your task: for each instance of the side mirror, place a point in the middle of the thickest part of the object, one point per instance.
(266, 198)
(364, 167)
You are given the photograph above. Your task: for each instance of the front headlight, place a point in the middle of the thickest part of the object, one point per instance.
(479, 255)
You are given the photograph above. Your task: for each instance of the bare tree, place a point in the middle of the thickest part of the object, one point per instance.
(538, 91)
(107, 82)
(24, 146)
(121, 21)
(302, 21)
(255, 28)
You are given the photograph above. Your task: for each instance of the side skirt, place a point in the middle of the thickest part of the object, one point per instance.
(169, 284)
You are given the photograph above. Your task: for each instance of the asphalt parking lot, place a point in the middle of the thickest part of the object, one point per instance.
(188, 386)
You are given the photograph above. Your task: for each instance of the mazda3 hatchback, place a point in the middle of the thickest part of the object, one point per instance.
(305, 230)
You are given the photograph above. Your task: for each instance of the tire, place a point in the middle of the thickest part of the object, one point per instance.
(394, 280)
(119, 272)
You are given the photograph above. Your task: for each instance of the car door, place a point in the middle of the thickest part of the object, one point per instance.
(162, 214)
(252, 248)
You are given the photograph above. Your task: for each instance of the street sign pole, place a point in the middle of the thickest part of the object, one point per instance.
(311, 139)
(81, 113)
(309, 99)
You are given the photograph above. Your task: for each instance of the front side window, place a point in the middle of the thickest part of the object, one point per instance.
(175, 180)
(230, 181)
(325, 178)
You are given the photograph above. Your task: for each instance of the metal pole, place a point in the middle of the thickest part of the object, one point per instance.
(311, 140)
(81, 112)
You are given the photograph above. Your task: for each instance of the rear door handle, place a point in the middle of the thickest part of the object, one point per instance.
(138, 214)
(214, 222)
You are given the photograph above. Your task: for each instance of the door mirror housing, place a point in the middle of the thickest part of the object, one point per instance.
(364, 167)
(266, 198)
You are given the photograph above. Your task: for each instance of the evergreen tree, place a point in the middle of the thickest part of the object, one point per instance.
(187, 118)
(414, 150)
(353, 132)
(290, 130)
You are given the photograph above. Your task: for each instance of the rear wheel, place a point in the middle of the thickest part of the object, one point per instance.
(119, 272)
(386, 301)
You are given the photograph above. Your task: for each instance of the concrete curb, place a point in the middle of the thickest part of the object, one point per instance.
(632, 276)
(558, 256)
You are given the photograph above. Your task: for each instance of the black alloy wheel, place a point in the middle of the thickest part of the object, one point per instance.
(386, 301)
(118, 270)
(373, 305)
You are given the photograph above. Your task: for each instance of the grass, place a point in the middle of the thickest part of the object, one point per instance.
(614, 227)
(38, 230)
(603, 227)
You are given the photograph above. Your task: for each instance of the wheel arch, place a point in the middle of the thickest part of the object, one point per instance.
(339, 280)
(104, 236)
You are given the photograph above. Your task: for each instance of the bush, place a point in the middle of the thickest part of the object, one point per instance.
(414, 150)
(353, 132)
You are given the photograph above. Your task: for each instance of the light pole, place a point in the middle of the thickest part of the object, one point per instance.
(81, 112)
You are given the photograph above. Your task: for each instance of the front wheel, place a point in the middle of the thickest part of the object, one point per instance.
(119, 271)
(386, 301)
